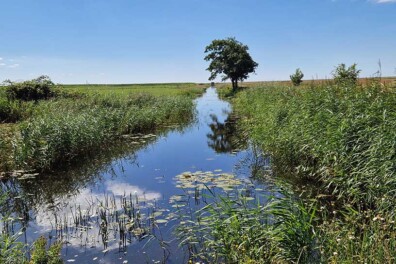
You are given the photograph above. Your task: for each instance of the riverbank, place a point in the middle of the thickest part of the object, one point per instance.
(336, 145)
(41, 134)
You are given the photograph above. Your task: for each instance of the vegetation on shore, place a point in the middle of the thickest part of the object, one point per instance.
(74, 122)
(335, 142)
(12, 251)
(332, 149)
(43, 125)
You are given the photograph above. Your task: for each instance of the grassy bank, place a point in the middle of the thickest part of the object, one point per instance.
(79, 122)
(336, 145)
(340, 137)
(341, 140)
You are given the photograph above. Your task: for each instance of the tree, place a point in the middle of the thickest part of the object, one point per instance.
(230, 58)
(296, 78)
(346, 76)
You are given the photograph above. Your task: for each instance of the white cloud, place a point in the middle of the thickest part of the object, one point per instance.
(14, 65)
(2, 64)
(384, 1)
(1, 58)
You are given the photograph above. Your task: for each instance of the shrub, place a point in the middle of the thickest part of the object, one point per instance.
(296, 78)
(33, 90)
(346, 76)
(40, 255)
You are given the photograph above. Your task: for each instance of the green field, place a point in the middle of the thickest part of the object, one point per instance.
(157, 89)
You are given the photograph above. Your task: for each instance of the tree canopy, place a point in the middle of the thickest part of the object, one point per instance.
(230, 58)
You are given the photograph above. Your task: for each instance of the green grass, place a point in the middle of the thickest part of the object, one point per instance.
(233, 228)
(335, 145)
(342, 137)
(82, 119)
(13, 251)
(338, 142)
(158, 89)
(63, 130)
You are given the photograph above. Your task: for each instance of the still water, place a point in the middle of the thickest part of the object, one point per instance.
(117, 207)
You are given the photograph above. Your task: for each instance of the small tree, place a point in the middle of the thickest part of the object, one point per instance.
(343, 75)
(230, 58)
(296, 78)
(33, 90)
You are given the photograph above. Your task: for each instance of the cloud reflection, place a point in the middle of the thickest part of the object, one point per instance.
(120, 189)
(87, 204)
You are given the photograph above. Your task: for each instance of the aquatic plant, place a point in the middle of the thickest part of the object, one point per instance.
(235, 228)
(42, 255)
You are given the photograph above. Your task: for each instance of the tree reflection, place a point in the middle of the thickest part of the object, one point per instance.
(224, 137)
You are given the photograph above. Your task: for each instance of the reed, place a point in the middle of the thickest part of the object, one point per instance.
(60, 130)
(235, 228)
(337, 142)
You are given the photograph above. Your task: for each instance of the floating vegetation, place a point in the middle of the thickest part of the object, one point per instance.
(203, 180)
(19, 174)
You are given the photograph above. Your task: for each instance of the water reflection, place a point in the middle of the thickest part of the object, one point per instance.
(93, 205)
(223, 137)
(256, 165)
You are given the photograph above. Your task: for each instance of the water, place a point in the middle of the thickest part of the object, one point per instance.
(144, 171)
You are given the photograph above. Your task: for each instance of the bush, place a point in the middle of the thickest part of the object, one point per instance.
(296, 78)
(33, 90)
(40, 254)
(346, 76)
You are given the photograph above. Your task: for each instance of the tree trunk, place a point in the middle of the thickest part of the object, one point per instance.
(234, 84)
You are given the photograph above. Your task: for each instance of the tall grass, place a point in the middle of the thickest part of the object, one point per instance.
(340, 140)
(63, 129)
(342, 137)
(14, 111)
(13, 251)
(84, 118)
(234, 228)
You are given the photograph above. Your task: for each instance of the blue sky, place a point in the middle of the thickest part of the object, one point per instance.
(143, 41)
